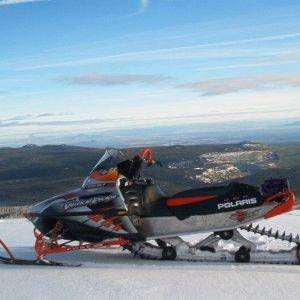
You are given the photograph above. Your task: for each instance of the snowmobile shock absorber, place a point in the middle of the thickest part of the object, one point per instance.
(57, 230)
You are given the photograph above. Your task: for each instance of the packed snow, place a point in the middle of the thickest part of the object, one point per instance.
(114, 274)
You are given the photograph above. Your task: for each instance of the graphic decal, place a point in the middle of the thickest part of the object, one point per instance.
(241, 215)
(89, 201)
(238, 215)
(244, 202)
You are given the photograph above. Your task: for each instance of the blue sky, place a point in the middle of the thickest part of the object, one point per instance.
(84, 66)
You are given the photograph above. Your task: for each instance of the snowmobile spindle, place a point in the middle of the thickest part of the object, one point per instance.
(45, 246)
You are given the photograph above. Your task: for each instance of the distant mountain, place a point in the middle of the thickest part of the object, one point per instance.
(296, 124)
(31, 173)
(187, 134)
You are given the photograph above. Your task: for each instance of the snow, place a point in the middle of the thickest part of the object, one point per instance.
(113, 274)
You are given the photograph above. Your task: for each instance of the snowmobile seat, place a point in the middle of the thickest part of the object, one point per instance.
(233, 187)
(210, 200)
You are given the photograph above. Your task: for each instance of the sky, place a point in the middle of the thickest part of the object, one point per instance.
(86, 66)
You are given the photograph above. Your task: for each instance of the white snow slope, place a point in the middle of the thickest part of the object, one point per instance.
(113, 274)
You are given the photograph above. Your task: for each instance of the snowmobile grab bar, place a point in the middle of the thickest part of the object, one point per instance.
(278, 196)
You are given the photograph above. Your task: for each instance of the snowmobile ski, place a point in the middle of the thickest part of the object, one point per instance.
(36, 262)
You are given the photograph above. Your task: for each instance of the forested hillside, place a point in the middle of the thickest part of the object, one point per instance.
(32, 173)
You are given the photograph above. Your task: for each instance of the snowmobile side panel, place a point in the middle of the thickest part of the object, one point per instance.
(282, 207)
(207, 201)
(156, 227)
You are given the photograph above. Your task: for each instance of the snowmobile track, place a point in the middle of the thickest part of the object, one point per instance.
(284, 257)
(270, 233)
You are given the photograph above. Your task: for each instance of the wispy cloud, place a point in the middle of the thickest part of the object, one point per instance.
(137, 119)
(225, 85)
(62, 122)
(27, 117)
(272, 60)
(13, 2)
(143, 6)
(249, 65)
(121, 79)
(160, 53)
(17, 118)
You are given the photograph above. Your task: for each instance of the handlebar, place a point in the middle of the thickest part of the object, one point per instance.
(147, 156)
(131, 168)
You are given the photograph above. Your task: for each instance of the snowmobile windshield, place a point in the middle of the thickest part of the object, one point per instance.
(106, 169)
(109, 161)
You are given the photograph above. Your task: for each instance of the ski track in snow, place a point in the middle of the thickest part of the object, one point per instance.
(113, 274)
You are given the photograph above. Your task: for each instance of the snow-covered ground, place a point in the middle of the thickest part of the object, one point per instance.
(113, 274)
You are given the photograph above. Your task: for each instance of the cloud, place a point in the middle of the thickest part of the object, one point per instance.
(122, 79)
(273, 59)
(250, 65)
(62, 122)
(136, 119)
(162, 53)
(15, 119)
(290, 56)
(13, 2)
(225, 85)
(51, 115)
(143, 6)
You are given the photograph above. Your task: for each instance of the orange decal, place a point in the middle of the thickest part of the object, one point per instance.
(117, 227)
(96, 218)
(239, 215)
(111, 175)
(109, 221)
(188, 200)
(283, 207)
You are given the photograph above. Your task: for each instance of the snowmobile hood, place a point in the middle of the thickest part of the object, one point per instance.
(43, 205)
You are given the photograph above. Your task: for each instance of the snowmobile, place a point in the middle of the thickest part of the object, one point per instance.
(116, 207)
